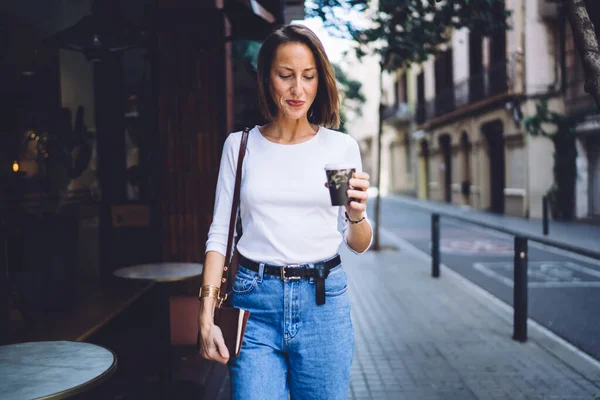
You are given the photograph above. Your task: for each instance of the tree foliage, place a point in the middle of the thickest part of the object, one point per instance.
(406, 31)
(351, 93)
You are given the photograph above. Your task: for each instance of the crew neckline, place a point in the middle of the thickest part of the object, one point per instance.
(312, 139)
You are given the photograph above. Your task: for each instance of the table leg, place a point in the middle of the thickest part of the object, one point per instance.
(4, 286)
(165, 373)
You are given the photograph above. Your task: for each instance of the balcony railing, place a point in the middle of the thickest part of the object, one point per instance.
(492, 81)
(397, 113)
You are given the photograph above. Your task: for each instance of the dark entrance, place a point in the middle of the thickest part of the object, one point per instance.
(424, 171)
(493, 133)
(465, 149)
(446, 152)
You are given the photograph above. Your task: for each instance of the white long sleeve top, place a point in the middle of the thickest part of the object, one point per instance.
(286, 212)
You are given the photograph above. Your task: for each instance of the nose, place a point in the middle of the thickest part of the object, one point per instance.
(296, 88)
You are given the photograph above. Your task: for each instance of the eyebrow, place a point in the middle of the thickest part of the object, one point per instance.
(290, 69)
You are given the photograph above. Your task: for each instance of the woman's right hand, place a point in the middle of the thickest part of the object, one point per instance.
(212, 344)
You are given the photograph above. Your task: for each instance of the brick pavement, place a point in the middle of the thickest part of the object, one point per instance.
(423, 338)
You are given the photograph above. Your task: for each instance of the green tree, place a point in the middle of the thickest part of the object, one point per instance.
(352, 96)
(401, 32)
(406, 31)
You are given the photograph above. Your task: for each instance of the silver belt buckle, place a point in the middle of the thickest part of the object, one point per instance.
(291, 278)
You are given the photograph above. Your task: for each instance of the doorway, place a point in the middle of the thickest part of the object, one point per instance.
(424, 171)
(465, 150)
(446, 166)
(494, 134)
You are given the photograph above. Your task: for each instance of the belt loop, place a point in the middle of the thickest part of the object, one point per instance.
(261, 272)
(311, 266)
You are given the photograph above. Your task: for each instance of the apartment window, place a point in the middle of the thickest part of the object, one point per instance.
(575, 92)
(444, 83)
(407, 144)
(401, 90)
(405, 87)
(497, 70)
(421, 97)
(475, 66)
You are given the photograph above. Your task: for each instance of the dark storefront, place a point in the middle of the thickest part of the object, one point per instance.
(109, 151)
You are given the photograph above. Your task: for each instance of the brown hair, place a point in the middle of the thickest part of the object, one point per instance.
(325, 108)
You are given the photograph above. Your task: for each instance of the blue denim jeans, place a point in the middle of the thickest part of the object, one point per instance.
(291, 345)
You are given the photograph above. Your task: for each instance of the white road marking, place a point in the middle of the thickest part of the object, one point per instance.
(552, 280)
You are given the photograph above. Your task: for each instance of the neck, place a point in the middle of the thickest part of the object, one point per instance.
(289, 131)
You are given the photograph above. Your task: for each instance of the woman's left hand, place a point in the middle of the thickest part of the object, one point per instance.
(358, 192)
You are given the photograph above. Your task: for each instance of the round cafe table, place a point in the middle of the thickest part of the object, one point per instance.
(162, 274)
(52, 370)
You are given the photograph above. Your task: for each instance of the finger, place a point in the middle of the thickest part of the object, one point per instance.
(219, 358)
(358, 184)
(206, 351)
(361, 175)
(222, 350)
(358, 194)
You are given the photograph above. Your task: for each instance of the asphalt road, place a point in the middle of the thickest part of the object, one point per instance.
(564, 288)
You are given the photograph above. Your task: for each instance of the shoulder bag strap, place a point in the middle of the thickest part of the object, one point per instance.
(232, 220)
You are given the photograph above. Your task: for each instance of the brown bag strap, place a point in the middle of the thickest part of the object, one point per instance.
(227, 267)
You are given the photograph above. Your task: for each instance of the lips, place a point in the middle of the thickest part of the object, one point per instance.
(295, 103)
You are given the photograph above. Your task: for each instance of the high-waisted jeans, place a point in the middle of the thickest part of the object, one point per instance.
(292, 345)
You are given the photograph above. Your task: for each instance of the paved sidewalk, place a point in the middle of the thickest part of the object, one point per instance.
(423, 338)
(579, 234)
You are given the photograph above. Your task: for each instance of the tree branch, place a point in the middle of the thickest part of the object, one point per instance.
(584, 36)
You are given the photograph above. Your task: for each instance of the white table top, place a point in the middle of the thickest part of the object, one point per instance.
(56, 369)
(161, 272)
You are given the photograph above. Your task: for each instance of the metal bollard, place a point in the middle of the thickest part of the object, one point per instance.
(520, 290)
(545, 214)
(435, 245)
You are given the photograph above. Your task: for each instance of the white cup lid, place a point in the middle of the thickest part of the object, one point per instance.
(339, 166)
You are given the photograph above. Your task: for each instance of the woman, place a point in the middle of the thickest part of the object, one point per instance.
(293, 344)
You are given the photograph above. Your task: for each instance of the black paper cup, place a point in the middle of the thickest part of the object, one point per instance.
(338, 176)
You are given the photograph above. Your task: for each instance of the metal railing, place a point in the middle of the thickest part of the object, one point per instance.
(398, 112)
(520, 260)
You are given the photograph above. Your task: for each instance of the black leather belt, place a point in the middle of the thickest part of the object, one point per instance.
(295, 272)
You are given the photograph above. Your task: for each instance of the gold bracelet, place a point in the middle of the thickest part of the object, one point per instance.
(212, 294)
(210, 291)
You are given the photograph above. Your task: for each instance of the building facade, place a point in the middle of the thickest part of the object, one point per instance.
(454, 126)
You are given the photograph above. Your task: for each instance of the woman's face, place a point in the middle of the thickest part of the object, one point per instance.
(294, 80)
